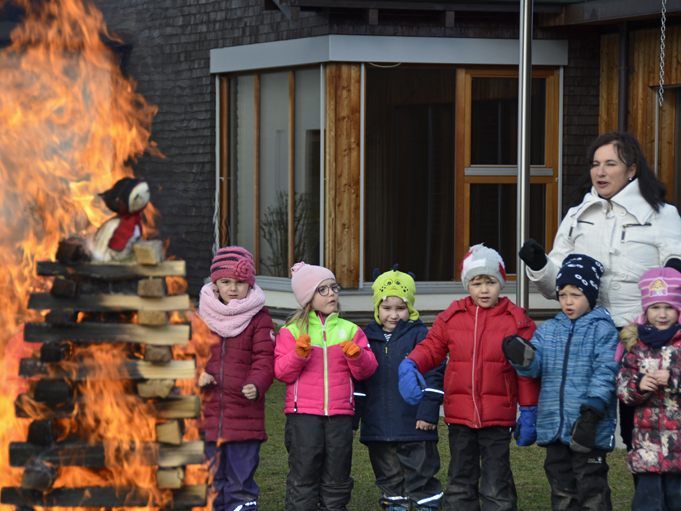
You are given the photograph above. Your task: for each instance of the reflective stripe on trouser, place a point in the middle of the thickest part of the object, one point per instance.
(319, 458)
(407, 470)
(233, 466)
(577, 480)
(480, 475)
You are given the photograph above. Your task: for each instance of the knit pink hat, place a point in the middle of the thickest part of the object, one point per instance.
(660, 285)
(233, 263)
(305, 279)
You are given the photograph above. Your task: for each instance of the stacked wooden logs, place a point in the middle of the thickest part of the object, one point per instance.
(94, 304)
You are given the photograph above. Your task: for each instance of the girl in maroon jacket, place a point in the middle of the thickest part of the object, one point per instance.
(238, 373)
(482, 390)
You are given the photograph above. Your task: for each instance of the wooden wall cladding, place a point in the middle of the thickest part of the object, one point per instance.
(342, 172)
(644, 75)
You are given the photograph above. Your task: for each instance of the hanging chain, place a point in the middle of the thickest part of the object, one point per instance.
(663, 35)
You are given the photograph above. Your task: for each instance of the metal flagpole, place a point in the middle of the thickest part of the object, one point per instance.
(524, 96)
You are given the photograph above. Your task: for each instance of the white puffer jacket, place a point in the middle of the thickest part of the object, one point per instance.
(626, 235)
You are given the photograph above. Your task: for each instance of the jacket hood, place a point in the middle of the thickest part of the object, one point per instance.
(375, 332)
(467, 305)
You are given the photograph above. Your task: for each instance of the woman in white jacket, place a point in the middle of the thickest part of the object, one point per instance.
(622, 221)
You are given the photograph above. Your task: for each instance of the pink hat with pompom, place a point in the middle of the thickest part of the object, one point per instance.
(660, 285)
(305, 279)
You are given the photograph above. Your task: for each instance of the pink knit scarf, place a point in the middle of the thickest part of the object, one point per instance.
(229, 320)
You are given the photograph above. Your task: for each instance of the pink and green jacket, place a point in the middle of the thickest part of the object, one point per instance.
(322, 383)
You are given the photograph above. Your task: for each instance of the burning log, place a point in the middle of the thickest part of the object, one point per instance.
(72, 250)
(64, 288)
(59, 318)
(155, 388)
(100, 496)
(152, 318)
(134, 370)
(158, 354)
(169, 478)
(169, 432)
(53, 392)
(92, 332)
(148, 252)
(55, 351)
(112, 271)
(152, 288)
(108, 303)
(82, 454)
(174, 407)
(42, 432)
(38, 475)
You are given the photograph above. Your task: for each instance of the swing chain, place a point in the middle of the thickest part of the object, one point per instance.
(663, 35)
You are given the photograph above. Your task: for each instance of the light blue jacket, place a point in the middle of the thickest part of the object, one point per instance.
(576, 363)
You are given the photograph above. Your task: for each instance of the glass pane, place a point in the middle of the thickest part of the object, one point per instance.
(274, 142)
(494, 121)
(493, 218)
(307, 143)
(409, 171)
(242, 153)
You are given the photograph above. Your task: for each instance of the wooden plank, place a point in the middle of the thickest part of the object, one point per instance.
(343, 92)
(108, 302)
(100, 496)
(135, 369)
(148, 252)
(108, 332)
(82, 454)
(111, 271)
(169, 478)
(176, 407)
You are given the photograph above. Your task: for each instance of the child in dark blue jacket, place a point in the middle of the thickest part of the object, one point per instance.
(401, 438)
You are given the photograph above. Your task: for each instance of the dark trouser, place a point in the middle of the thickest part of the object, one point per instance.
(657, 492)
(480, 454)
(578, 481)
(626, 423)
(319, 459)
(233, 466)
(405, 472)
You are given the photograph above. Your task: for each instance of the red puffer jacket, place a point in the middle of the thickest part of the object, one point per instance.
(234, 362)
(481, 387)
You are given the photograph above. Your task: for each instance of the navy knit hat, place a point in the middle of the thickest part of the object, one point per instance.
(584, 273)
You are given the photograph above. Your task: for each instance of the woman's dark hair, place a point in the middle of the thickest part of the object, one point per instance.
(629, 151)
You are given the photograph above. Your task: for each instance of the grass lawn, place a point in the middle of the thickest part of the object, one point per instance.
(527, 464)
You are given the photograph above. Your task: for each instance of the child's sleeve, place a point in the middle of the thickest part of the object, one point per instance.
(605, 367)
(674, 384)
(360, 403)
(629, 378)
(431, 352)
(365, 364)
(528, 387)
(287, 365)
(261, 373)
(429, 407)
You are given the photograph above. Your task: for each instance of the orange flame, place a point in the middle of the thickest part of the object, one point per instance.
(70, 125)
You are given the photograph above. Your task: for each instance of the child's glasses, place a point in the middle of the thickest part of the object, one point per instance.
(324, 290)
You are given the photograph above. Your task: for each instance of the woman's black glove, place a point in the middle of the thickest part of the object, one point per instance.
(533, 254)
(674, 263)
(584, 429)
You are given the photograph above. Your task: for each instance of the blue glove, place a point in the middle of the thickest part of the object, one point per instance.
(526, 428)
(411, 382)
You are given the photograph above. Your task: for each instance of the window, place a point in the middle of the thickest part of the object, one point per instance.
(409, 178)
(274, 167)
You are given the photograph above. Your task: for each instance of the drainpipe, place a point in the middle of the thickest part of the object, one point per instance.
(623, 80)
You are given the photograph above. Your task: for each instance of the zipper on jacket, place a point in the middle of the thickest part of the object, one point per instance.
(562, 382)
(624, 228)
(295, 395)
(326, 371)
(222, 369)
(475, 350)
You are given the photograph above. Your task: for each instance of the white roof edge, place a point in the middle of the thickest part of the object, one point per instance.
(360, 48)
